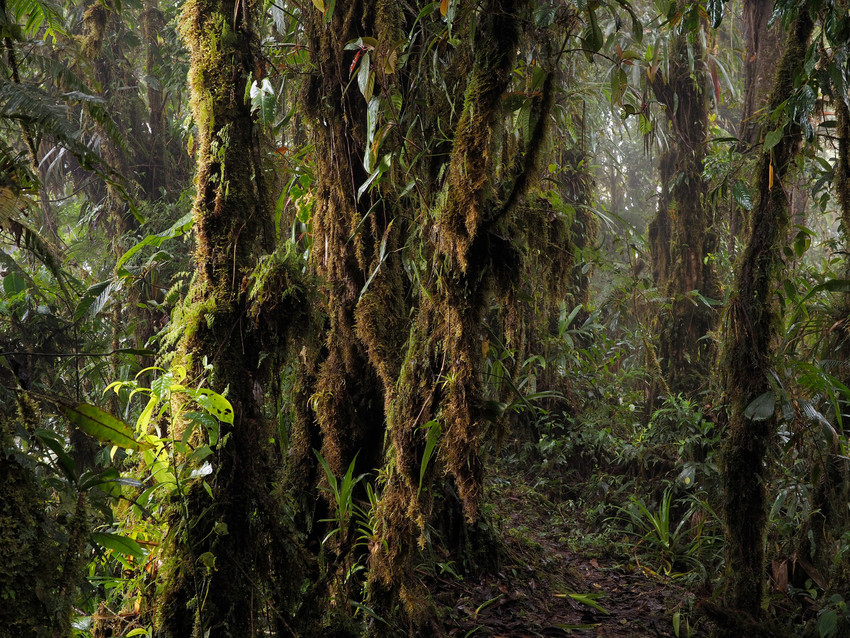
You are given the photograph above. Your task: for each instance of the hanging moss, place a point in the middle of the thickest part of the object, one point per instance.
(440, 378)
(94, 28)
(751, 325)
(365, 326)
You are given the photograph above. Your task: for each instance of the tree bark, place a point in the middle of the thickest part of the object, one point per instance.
(230, 327)
(681, 235)
(751, 325)
(764, 46)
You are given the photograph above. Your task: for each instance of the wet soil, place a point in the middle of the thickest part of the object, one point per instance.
(550, 583)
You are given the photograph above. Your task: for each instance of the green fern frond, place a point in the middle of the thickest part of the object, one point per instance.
(33, 106)
(36, 15)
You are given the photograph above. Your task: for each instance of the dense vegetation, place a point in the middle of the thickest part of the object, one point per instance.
(306, 304)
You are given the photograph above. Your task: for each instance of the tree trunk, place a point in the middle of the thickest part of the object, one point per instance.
(764, 46)
(229, 561)
(681, 235)
(752, 323)
(439, 387)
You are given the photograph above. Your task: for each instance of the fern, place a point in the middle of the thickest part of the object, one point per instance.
(38, 14)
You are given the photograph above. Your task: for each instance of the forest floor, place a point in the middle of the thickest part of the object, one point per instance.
(553, 582)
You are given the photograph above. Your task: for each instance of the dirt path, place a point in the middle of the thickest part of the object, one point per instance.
(544, 588)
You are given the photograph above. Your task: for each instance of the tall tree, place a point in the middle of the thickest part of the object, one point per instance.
(681, 234)
(232, 548)
(752, 321)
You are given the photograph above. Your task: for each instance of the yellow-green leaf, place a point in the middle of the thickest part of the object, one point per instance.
(215, 404)
(117, 543)
(101, 425)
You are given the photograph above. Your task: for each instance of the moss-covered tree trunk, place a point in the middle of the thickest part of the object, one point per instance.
(681, 235)
(439, 388)
(764, 46)
(366, 326)
(751, 325)
(227, 566)
(351, 374)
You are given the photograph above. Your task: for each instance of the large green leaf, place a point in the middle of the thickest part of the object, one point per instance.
(592, 38)
(772, 139)
(95, 299)
(13, 284)
(742, 195)
(215, 404)
(264, 101)
(118, 543)
(762, 407)
(52, 442)
(177, 229)
(101, 425)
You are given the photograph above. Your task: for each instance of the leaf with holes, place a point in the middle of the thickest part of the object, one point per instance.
(215, 404)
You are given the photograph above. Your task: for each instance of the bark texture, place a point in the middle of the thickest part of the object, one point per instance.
(439, 384)
(681, 235)
(229, 561)
(752, 321)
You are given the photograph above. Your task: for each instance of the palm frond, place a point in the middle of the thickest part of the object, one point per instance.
(33, 106)
(38, 14)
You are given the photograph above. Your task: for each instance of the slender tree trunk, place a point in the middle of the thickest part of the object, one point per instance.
(681, 235)
(351, 375)
(751, 324)
(659, 233)
(764, 46)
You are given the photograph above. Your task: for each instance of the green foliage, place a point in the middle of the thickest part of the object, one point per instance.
(667, 545)
(342, 493)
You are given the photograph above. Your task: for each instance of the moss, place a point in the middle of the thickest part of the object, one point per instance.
(680, 236)
(27, 562)
(95, 19)
(440, 376)
(41, 554)
(237, 310)
(752, 322)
